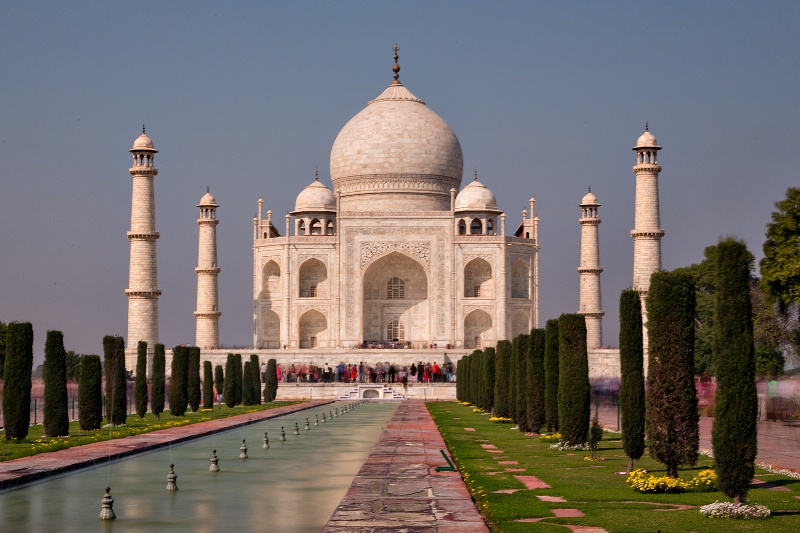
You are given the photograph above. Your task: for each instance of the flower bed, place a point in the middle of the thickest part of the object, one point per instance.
(742, 511)
(704, 481)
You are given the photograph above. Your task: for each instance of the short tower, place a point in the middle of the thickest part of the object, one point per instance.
(647, 232)
(142, 291)
(590, 269)
(207, 313)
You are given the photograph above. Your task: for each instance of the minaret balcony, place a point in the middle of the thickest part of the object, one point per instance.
(647, 234)
(143, 235)
(208, 270)
(143, 293)
(647, 167)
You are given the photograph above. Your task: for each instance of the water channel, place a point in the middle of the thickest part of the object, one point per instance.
(294, 486)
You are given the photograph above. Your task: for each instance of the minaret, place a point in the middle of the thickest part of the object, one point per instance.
(207, 313)
(142, 291)
(590, 270)
(647, 230)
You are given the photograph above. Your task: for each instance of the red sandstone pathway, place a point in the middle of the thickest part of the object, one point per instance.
(398, 488)
(27, 469)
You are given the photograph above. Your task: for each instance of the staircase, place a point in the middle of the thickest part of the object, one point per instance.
(372, 391)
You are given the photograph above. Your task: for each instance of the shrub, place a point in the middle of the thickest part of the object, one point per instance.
(237, 377)
(219, 379)
(501, 378)
(193, 375)
(116, 380)
(179, 383)
(247, 385)
(631, 389)
(271, 385)
(208, 385)
(551, 375)
(488, 363)
(573, 379)
(255, 375)
(229, 393)
(535, 381)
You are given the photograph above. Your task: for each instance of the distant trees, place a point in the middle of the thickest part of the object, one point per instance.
(535, 381)
(671, 402)
(140, 389)
(179, 381)
(208, 385)
(90, 393)
(17, 380)
(573, 379)
(501, 378)
(271, 385)
(631, 388)
(551, 374)
(56, 416)
(116, 380)
(780, 267)
(734, 431)
(193, 381)
(158, 385)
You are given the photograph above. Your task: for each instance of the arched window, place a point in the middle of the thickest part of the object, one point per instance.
(395, 332)
(301, 228)
(475, 227)
(490, 227)
(329, 230)
(395, 289)
(462, 227)
(316, 227)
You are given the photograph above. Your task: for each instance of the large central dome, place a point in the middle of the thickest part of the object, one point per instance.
(395, 151)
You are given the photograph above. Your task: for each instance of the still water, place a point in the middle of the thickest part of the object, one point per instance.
(294, 486)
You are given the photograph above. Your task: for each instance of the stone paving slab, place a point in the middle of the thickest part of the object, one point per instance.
(398, 488)
(28, 469)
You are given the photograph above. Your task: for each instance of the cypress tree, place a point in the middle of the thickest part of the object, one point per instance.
(522, 382)
(219, 379)
(551, 374)
(116, 380)
(671, 399)
(159, 384)
(54, 371)
(573, 379)
(140, 390)
(501, 392)
(631, 388)
(487, 369)
(247, 385)
(237, 378)
(90, 393)
(534, 380)
(193, 382)
(475, 382)
(512, 380)
(229, 393)
(208, 385)
(17, 380)
(255, 375)
(734, 435)
(271, 385)
(3, 330)
(459, 380)
(179, 381)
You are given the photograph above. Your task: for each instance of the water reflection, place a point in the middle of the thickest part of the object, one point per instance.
(292, 486)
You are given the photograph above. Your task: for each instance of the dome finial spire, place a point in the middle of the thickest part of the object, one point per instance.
(142, 128)
(646, 126)
(476, 173)
(316, 174)
(396, 67)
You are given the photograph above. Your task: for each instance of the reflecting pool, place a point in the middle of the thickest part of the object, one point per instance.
(293, 486)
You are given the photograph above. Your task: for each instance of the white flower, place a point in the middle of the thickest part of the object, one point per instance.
(743, 511)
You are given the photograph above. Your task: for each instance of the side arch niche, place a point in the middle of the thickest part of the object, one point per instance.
(520, 278)
(395, 288)
(314, 279)
(271, 330)
(313, 330)
(478, 279)
(271, 281)
(520, 323)
(478, 330)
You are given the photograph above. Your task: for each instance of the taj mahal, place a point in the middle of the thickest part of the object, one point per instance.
(394, 255)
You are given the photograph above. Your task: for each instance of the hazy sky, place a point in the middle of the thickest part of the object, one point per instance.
(247, 98)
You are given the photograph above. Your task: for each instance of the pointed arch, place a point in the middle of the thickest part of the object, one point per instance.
(478, 279)
(271, 280)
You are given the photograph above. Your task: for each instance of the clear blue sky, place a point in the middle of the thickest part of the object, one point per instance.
(247, 98)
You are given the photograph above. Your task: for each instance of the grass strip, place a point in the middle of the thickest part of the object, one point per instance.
(592, 487)
(36, 442)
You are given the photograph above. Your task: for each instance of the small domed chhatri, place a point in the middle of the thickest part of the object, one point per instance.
(315, 197)
(208, 200)
(143, 142)
(646, 139)
(476, 197)
(589, 198)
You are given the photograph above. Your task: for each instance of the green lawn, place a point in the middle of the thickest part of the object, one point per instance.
(592, 487)
(34, 443)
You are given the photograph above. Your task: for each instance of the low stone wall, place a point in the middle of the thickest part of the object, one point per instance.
(333, 391)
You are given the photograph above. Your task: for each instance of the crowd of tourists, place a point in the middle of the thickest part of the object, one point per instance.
(364, 373)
